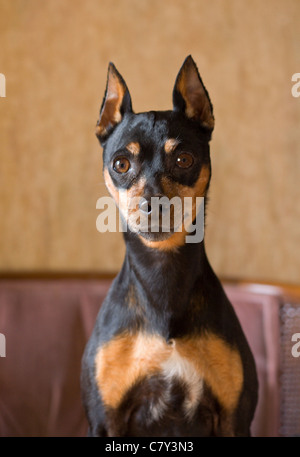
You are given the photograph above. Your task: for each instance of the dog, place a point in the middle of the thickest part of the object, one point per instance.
(167, 356)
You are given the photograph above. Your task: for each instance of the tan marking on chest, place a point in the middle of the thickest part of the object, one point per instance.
(126, 359)
(219, 364)
(121, 362)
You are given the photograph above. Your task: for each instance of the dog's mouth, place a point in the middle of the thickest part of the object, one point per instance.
(156, 235)
(156, 227)
(158, 222)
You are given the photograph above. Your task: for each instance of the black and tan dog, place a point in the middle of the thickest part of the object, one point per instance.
(167, 356)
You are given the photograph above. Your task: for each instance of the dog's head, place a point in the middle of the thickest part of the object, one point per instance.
(151, 159)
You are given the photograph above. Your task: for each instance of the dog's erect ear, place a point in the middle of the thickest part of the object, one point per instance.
(116, 102)
(191, 97)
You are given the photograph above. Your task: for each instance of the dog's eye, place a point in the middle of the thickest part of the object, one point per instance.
(121, 165)
(184, 160)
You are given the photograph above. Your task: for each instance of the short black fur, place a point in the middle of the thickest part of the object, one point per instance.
(172, 293)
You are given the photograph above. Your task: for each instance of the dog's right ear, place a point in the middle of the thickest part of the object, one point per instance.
(116, 103)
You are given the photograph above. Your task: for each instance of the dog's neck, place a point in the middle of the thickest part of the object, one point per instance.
(168, 277)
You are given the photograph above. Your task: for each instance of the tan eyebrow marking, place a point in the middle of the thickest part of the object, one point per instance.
(134, 148)
(170, 145)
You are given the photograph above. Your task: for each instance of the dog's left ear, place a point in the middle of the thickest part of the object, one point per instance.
(116, 103)
(191, 96)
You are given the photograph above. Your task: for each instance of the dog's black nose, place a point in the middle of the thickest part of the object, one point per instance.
(145, 206)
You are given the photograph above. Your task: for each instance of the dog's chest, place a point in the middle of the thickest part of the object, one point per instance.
(133, 359)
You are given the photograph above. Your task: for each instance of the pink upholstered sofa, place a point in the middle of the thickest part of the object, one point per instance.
(47, 321)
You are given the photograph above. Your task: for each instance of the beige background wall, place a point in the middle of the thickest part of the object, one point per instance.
(54, 55)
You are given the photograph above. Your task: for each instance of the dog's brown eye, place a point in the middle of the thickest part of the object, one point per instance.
(121, 165)
(184, 160)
